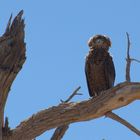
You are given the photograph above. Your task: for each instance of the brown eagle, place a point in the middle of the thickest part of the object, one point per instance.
(99, 67)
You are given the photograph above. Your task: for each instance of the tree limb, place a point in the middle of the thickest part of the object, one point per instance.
(72, 95)
(128, 59)
(12, 57)
(133, 59)
(122, 121)
(128, 79)
(66, 113)
(60, 131)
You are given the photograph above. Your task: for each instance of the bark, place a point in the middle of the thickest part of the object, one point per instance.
(122, 121)
(67, 113)
(128, 60)
(12, 57)
(59, 132)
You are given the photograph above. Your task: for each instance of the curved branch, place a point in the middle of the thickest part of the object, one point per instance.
(67, 113)
(12, 57)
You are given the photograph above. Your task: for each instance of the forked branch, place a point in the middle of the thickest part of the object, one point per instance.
(67, 113)
(129, 59)
(60, 131)
(128, 79)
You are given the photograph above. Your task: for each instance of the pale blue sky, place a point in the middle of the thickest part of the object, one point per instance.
(56, 35)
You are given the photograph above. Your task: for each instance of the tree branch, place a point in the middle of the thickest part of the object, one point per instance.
(67, 113)
(128, 79)
(72, 95)
(60, 131)
(128, 59)
(12, 57)
(132, 59)
(122, 121)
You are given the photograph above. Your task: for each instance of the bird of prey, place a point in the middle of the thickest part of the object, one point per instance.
(99, 66)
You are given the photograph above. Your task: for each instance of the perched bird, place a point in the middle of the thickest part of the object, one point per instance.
(99, 67)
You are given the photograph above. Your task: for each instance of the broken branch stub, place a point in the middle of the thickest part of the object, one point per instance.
(12, 57)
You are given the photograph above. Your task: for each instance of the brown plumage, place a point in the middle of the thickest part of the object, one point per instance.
(99, 67)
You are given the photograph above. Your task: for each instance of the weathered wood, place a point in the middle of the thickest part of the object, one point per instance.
(60, 131)
(67, 113)
(12, 57)
(128, 60)
(122, 121)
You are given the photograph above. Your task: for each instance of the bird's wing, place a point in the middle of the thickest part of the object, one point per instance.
(87, 72)
(109, 71)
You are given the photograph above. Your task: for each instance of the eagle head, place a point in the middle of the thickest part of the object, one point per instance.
(99, 41)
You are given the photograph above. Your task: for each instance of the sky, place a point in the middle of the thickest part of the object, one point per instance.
(56, 35)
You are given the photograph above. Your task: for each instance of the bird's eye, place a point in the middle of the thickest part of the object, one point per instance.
(99, 41)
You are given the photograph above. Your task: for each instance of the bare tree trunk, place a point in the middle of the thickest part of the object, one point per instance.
(12, 57)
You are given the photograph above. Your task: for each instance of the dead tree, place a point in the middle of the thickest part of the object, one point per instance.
(12, 57)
